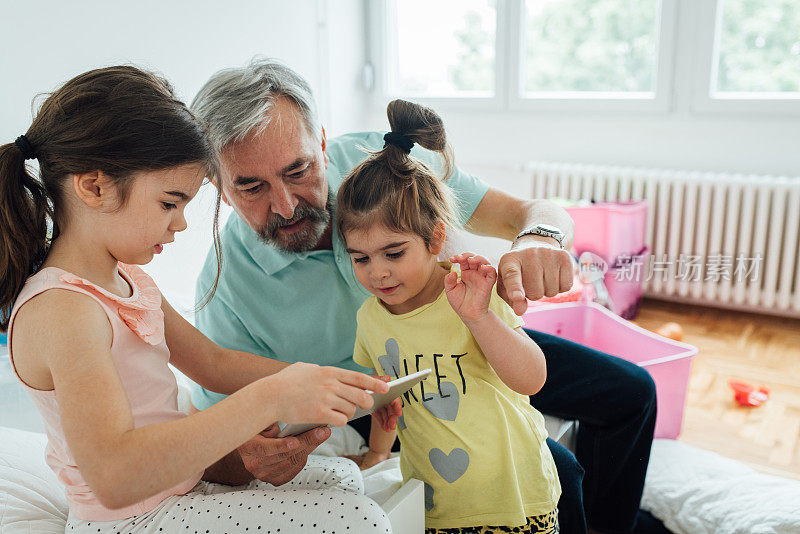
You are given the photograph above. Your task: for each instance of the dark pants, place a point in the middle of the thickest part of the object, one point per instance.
(615, 403)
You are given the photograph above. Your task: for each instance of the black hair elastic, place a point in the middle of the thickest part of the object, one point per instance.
(399, 140)
(25, 147)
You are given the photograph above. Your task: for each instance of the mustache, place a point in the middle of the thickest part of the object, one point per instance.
(302, 211)
(316, 220)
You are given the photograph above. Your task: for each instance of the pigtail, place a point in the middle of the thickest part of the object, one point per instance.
(25, 208)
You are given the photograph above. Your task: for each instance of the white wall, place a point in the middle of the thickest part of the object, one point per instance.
(344, 26)
(46, 43)
(325, 41)
(185, 40)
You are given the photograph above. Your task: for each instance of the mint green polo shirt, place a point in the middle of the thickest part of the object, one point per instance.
(299, 307)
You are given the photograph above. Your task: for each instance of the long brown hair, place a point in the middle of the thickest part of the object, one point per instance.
(395, 189)
(119, 120)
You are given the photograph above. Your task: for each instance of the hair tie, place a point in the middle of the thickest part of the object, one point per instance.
(399, 140)
(25, 147)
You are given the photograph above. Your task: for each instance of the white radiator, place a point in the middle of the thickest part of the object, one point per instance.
(725, 240)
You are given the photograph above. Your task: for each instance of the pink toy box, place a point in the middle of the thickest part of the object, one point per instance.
(610, 229)
(667, 361)
(624, 282)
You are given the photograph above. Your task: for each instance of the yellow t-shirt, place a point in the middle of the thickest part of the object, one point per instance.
(478, 446)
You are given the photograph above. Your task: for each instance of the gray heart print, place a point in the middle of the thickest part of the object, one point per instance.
(390, 362)
(428, 497)
(443, 407)
(449, 466)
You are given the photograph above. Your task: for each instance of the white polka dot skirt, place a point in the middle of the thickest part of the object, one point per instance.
(325, 497)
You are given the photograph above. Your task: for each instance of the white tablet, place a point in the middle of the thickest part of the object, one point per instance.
(396, 388)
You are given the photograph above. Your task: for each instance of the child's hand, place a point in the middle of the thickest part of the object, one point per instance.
(324, 395)
(369, 459)
(470, 296)
(388, 415)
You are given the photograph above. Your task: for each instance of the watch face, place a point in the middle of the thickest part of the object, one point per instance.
(545, 230)
(552, 231)
(548, 228)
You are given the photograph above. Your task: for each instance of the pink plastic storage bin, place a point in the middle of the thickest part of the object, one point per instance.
(667, 361)
(610, 229)
(626, 295)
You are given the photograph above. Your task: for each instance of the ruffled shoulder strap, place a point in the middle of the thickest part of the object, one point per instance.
(141, 312)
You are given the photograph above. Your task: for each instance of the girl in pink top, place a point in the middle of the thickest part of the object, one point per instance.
(90, 336)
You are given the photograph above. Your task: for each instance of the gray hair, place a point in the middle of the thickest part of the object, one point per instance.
(236, 102)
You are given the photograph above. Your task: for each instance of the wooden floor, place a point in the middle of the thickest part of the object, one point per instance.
(757, 349)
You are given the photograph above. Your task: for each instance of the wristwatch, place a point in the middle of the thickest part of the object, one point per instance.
(545, 230)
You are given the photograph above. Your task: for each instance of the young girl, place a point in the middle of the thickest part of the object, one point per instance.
(468, 431)
(90, 336)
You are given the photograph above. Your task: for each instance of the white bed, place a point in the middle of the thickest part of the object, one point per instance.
(32, 500)
(694, 491)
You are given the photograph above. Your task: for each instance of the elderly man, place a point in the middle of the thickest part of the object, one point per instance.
(287, 289)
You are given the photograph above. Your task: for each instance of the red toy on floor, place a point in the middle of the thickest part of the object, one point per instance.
(747, 395)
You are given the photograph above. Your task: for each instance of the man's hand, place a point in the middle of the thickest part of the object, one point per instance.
(278, 460)
(534, 268)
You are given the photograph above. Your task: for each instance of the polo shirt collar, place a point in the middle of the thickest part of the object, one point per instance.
(270, 259)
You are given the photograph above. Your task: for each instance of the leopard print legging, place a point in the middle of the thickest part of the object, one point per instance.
(537, 524)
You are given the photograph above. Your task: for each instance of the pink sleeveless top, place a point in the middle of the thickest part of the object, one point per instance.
(140, 355)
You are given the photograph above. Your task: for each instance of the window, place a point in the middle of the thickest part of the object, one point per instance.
(591, 55)
(758, 49)
(600, 46)
(523, 54)
(448, 52)
(748, 59)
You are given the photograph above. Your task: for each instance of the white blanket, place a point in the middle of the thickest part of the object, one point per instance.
(691, 490)
(694, 491)
(32, 500)
(380, 481)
